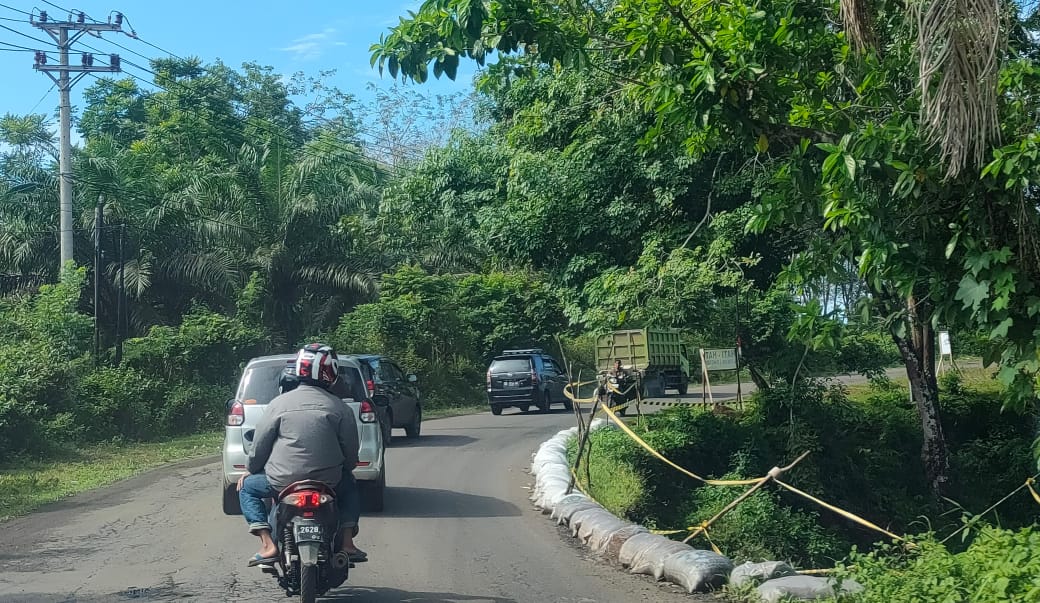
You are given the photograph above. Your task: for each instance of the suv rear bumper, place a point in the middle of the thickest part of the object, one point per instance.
(519, 397)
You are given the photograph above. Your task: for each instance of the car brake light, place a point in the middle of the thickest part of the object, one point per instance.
(371, 385)
(368, 413)
(534, 377)
(307, 499)
(237, 415)
(489, 379)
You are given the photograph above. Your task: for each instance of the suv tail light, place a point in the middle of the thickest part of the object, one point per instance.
(371, 385)
(534, 377)
(489, 379)
(237, 415)
(306, 499)
(368, 412)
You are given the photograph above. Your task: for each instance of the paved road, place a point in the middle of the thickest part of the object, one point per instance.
(457, 527)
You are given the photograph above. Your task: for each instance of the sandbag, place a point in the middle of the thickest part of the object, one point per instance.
(697, 571)
(757, 573)
(633, 546)
(598, 527)
(805, 588)
(609, 545)
(651, 553)
(565, 510)
(579, 519)
(573, 497)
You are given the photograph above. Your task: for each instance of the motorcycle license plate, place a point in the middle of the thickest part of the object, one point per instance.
(307, 532)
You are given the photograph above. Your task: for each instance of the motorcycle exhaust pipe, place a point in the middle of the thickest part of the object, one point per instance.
(340, 560)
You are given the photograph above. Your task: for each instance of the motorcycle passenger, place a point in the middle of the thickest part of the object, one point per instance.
(306, 433)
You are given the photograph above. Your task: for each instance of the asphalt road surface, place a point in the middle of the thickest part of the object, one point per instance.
(457, 527)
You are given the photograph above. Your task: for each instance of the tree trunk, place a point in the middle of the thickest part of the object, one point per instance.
(918, 352)
(760, 382)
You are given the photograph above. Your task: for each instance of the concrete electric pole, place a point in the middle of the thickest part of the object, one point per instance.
(65, 34)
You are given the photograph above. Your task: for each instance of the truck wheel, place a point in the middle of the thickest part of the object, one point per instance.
(683, 388)
(496, 409)
(568, 404)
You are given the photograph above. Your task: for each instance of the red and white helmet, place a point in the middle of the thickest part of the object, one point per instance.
(317, 364)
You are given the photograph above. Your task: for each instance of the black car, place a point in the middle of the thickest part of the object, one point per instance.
(385, 379)
(526, 378)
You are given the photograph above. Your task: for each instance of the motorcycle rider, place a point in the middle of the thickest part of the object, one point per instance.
(306, 433)
(619, 372)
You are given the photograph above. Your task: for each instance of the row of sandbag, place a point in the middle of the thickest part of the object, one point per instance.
(613, 539)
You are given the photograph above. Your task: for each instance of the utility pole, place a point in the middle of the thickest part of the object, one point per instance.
(99, 217)
(60, 31)
(121, 300)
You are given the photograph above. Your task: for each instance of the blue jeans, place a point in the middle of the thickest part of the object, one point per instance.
(256, 490)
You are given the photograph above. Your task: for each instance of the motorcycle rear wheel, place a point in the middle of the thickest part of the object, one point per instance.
(308, 583)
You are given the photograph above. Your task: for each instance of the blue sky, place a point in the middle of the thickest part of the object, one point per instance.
(305, 35)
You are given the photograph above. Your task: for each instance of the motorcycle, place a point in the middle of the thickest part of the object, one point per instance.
(615, 391)
(306, 523)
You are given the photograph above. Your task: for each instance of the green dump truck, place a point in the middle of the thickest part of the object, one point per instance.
(658, 354)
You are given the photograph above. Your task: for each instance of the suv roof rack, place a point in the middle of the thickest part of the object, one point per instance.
(523, 352)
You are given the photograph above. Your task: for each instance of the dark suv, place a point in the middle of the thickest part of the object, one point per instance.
(384, 379)
(525, 378)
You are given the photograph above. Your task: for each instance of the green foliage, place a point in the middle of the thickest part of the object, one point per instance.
(42, 343)
(445, 329)
(206, 347)
(864, 458)
(764, 528)
(174, 380)
(118, 403)
(1000, 566)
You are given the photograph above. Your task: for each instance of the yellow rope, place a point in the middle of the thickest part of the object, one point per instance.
(638, 440)
(1029, 484)
(843, 513)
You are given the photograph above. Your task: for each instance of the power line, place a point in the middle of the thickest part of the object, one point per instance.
(42, 98)
(17, 10)
(18, 46)
(25, 35)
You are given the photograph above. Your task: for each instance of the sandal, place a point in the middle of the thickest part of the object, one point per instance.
(258, 560)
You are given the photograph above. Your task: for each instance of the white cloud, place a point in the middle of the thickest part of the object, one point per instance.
(312, 46)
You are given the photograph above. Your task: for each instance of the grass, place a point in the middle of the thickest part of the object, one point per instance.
(973, 377)
(454, 411)
(27, 485)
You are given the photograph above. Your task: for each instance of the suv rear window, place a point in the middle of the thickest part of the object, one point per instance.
(350, 385)
(260, 383)
(520, 364)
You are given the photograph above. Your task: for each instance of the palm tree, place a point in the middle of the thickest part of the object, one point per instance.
(959, 47)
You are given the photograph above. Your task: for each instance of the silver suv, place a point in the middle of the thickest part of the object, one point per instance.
(258, 386)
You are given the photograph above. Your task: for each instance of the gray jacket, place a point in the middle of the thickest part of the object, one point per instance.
(305, 434)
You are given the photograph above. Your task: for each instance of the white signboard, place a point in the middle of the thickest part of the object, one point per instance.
(720, 360)
(945, 349)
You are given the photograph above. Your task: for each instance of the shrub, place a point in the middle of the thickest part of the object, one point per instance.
(206, 347)
(763, 528)
(865, 458)
(120, 402)
(1000, 566)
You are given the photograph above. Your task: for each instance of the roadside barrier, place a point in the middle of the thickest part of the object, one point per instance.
(757, 483)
